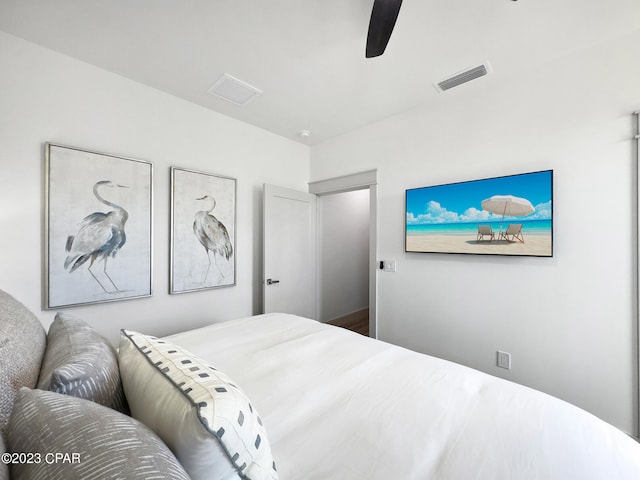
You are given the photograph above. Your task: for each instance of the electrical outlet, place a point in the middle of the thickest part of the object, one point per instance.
(504, 360)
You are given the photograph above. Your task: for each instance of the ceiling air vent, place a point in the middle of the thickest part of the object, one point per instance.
(233, 90)
(463, 77)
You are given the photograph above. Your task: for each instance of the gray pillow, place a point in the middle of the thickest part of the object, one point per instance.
(80, 362)
(4, 467)
(100, 443)
(22, 343)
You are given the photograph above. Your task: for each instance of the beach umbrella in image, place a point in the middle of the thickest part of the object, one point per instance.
(508, 206)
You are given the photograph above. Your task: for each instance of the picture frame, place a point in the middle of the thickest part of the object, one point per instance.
(203, 231)
(508, 215)
(98, 227)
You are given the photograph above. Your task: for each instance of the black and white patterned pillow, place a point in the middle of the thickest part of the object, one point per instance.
(95, 442)
(199, 412)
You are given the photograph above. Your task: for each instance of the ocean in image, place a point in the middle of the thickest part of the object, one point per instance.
(530, 227)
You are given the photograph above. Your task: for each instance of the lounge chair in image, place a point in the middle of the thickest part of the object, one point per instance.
(485, 230)
(513, 233)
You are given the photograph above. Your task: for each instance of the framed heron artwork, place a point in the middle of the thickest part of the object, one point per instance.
(203, 231)
(98, 225)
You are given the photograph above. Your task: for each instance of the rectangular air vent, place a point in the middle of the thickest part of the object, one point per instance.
(233, 90)
(463, 77)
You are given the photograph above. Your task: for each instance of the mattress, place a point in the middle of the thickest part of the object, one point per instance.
(340, 406)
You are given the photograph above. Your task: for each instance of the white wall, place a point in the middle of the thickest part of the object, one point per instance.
(45, 96)
(568, 321)
(344, 258)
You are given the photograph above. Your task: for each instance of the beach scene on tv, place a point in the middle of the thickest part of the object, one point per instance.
(509, 215)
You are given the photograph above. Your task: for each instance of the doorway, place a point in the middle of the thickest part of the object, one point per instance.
(359, 181)
(343, 259)
(274, 280)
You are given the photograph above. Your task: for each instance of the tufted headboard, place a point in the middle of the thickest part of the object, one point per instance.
(22, 345)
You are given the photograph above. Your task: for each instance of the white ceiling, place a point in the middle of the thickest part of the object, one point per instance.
(307, 56)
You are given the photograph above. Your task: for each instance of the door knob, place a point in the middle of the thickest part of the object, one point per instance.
(271, 281)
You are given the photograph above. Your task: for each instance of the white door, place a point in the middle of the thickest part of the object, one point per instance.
(289, 251)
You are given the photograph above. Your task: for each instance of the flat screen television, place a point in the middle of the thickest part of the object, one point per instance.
(510, 215)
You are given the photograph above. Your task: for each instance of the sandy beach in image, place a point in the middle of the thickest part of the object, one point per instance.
(537, 245)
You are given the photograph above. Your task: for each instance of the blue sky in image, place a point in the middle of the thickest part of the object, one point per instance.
(461, 202)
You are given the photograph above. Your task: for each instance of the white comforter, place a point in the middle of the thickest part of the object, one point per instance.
(340, 406)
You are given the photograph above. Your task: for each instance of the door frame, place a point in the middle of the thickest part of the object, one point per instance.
(636, 305)
(347, 183)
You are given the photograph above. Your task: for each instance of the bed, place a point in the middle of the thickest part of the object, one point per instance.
(277, 397)
(337, 405)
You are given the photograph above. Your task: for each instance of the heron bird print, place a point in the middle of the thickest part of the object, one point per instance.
(212, 235)
(100, 236)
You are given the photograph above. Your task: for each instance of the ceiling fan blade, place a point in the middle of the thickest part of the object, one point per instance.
(383, 18)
